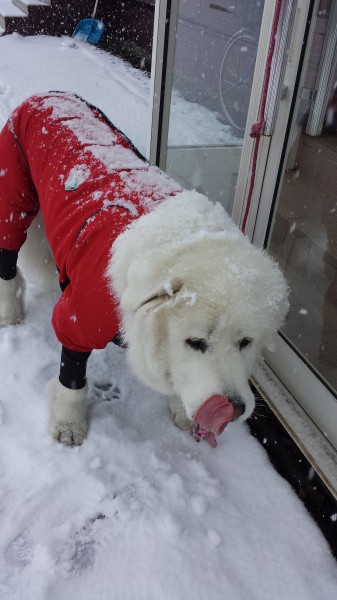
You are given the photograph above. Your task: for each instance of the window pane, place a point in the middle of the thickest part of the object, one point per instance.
(304, 234)
(216, 47)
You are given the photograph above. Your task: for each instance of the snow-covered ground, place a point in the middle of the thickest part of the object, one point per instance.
(140, 511)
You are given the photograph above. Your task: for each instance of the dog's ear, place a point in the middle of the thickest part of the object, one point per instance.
(165, 294)
(146, 287)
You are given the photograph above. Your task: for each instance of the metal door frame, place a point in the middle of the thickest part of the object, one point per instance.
(291, 380)
(163, 52)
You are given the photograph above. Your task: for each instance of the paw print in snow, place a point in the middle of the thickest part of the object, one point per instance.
(106, 391)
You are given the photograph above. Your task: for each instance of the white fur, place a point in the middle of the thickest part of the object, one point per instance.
(67, 418)
(12, 294)
(185, 271)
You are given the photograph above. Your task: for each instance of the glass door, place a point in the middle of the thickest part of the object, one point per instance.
(303, 232)
(216, 46)
(209, 61)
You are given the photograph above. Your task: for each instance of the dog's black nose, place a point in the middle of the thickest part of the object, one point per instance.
(238, 405)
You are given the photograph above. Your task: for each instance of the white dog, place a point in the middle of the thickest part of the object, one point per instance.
(196, 301)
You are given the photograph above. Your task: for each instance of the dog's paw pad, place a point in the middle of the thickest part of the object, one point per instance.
(70, 434)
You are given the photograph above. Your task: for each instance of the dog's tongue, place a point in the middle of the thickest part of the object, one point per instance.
(214, 414)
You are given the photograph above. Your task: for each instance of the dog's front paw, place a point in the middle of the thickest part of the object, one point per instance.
(178, 414)
(67, 420)
(12, 293)
(69, 434)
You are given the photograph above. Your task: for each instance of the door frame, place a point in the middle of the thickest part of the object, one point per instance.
(271, 149)
(163, 52)
(325, 75)
(299, 384)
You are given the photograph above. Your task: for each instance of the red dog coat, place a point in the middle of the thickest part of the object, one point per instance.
(60, 154)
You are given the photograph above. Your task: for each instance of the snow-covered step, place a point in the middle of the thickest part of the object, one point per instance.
(11, 10)
(2, 31)
(24, 5)
(7, 9)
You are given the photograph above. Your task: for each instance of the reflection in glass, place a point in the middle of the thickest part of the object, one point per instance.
(236, 77)
(215, 56)
(304, 234)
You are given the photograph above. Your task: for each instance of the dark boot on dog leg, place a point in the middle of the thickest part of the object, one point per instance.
(67, 421)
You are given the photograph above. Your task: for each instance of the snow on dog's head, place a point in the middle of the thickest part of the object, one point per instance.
(198, 303)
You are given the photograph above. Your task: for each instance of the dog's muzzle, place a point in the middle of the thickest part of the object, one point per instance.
(213, 416)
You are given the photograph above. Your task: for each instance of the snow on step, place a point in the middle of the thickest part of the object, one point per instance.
(7, 9)
(24, 5)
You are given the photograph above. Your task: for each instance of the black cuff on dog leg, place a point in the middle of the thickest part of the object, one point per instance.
(8, 260)
(73, 368)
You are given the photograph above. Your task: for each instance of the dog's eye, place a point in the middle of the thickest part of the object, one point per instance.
(244, 343)
(197, 344)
